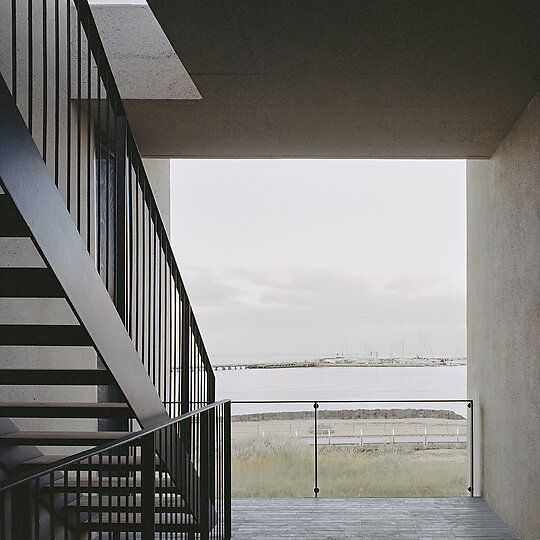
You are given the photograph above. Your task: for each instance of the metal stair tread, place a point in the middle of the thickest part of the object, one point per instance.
(125, 518)
(58, 438)
(66, 377)
(104, 482)
(29, 283)
(162, 502)
(64, 410)
(67, 335)
(94, 461)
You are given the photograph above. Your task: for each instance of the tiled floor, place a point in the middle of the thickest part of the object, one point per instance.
(419, 519)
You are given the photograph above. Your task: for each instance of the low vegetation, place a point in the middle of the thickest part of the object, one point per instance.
(283, 467)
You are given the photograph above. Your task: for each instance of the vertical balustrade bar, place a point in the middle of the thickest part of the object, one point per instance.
(168, 336)
(167, 320)
(30, 64)
(154, 297)
(196, 365)
(97, 189)
(66, 507)
(52, 514)
(130, 252)
(137, 270)
(100, 490)
(78, 494)
(184, 354)
(107, 187)
(35, 490)
(150, 293)
(316, 450)
(68, 102)
(88, 141)
(227, 467)
(56, 89)
(175, 372)
(158, 381)
(14, 49)
(120, 264)
(192, 363)
(79, 115)
(147, 487)
(205, 477)
(470, 437)
(211, 378)
(44, 81)
(143, 272)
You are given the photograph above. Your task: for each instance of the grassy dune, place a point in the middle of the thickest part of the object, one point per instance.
(279, 467)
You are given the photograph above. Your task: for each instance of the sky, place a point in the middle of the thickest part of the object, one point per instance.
(314, 258)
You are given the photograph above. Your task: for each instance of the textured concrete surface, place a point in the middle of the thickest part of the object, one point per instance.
(503, 282)
(414, 519)
(143, 61)
(342, 78)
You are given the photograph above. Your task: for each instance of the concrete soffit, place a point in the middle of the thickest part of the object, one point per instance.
(143, 61)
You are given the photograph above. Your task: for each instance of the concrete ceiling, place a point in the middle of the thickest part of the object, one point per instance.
(338, 78)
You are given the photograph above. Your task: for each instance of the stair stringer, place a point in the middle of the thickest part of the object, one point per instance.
(26, 179)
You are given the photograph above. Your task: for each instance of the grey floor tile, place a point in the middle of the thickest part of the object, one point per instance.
(370, 518)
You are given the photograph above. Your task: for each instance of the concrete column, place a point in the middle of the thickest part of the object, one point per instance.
(503, 280)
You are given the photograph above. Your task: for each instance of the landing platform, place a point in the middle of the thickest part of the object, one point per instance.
(377, 518)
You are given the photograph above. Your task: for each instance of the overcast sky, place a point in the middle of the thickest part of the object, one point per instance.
(320, 257)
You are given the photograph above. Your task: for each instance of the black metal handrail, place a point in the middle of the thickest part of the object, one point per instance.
(316, 405)
(119, 484)
(135, 435)
(65, 90)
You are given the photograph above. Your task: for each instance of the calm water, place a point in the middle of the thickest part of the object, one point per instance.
(343, 383)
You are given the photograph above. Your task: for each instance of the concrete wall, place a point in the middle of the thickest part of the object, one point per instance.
(503, 277)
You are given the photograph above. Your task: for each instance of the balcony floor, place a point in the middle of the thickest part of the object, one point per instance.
(376, 518)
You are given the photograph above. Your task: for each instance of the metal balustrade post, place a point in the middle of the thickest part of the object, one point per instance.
(148, 475)
(119, 262)
(227, 467)
(316, 488)
(184, 354)
(470, 438)
(210, 385)
(205, 477)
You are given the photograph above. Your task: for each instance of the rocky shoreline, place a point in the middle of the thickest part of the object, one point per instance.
(350, 414)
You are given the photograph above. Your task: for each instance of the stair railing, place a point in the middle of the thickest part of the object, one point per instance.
(65, 90)
(122, 487)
